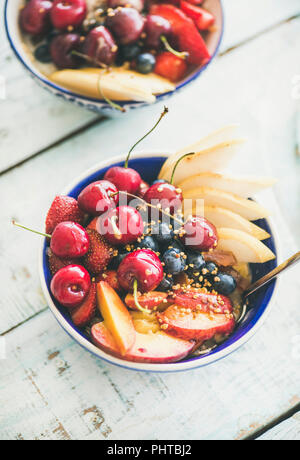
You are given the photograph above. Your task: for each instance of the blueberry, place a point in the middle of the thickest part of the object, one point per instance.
(115, 262)
(166, 284)
(174, 262)
(42, 54)
(148, 242)
(195, 262)
(145, 63)
(130, 52)
(176, 245)
(163, 234)
(210, 268)
(224, 284)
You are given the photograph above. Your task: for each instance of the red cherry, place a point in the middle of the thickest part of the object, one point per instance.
(167, 196)
(142, 189)
(98, 197)
(100, 46)
(35, 17)
(69, 240)
(126, 24)
(125, 179)
(70, 285)
(68, 13)
(199, 234)
(141, 266)
(122, 225)
(61, 49)
(155, 27)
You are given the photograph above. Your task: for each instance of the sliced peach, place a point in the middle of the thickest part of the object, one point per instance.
(149, 300)
(189, 324)
(201, 301)
(145, 323)
(148, 348)
(116, 317)
(224, 258)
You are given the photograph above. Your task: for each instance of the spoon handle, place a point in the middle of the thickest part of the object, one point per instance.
(272, 274)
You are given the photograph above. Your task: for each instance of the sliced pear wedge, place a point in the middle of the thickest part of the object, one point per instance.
(248, 209)
(118, 84)
(216, 137)
(244, 186)
(222, 217)
(245, 247)
(211, 159)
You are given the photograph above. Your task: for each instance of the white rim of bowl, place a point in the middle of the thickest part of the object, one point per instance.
(148, 367)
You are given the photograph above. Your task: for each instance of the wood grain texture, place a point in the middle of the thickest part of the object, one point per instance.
(289, 430)
(51, 120)
(50, 388)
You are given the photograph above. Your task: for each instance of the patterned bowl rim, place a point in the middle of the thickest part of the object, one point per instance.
(52, 86)
(148, 367)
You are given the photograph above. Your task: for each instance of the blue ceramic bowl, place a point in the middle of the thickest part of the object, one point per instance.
(11, 14)
(149, 165)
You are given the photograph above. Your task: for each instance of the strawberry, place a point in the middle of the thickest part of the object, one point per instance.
(63, 208)
(175, 16)
(189, 324)
(93, 224)
(99, 253)
(203, 18)
(150, 300)
(170, 66)
(184, 32)
(196, 299)
(83, 314)
(110, 276)
(56, 263)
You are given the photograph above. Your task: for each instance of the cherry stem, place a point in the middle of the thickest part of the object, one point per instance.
(135, 295)
(177, 163)
(114, 105)
(148, 204)
(89, 59)
(166, 110)
(104, 67)
(46, 235)
(180, 54)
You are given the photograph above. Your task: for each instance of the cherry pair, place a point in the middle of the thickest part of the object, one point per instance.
(37, 15)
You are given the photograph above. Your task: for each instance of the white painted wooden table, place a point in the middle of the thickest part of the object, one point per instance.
(52, 389)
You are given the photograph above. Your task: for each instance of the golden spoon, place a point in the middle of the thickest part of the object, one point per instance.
(272, 274)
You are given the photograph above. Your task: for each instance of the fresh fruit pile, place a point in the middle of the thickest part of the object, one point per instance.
(167, 39)
(148, 279)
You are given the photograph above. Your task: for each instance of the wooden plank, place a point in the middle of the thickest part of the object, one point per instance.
(224, 94)
(289, 430)
(51, 120)
(245, 20)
